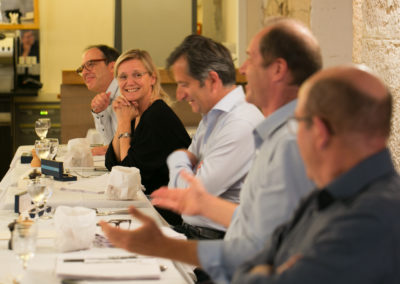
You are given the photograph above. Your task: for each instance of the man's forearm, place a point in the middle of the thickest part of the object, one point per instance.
(179, 250)
(217, 209)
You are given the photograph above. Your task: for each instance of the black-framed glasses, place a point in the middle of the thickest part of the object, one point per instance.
(88, 65)
(136, 76)
(118, 222)
(293, 123)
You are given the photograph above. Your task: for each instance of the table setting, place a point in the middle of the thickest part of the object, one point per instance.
(51, 224)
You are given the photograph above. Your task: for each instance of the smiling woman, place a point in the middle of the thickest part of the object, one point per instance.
(148, 129)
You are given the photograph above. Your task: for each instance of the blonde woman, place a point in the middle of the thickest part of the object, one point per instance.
(148, 130)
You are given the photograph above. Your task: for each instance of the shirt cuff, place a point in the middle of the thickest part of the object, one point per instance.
(176, 162)
(99, 115)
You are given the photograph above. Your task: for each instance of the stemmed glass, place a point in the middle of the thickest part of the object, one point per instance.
(48, 182)
(53, 147)
(42, 126)
(24, 238)
(37, 192)
(42, 148)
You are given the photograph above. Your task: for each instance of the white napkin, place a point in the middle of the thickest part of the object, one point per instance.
(78, 154)
(123, 183)
(75, 227)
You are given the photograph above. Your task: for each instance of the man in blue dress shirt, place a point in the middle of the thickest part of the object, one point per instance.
(280, 58)
(346, 231)
(221, 152)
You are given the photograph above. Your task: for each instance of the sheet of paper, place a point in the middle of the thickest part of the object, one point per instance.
(103, 266)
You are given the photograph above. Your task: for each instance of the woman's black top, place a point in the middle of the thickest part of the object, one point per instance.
(158, 134)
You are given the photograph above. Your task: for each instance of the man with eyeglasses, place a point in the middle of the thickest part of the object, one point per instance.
(347, 230)
(97, 71)
(280, 58)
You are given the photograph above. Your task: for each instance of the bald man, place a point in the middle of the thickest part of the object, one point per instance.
(346, 231)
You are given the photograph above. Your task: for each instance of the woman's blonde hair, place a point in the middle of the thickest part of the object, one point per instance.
(145, 58)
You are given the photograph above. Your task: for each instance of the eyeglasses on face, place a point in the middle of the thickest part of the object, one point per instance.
(88, 65)
(293, 123)
(136, 76)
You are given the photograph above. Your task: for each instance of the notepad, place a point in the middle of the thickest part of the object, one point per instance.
(107, 267)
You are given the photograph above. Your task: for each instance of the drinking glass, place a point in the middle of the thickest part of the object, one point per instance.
(42, 126)
(24, 238)
(53, 148)
(42, 148)
(49, 183)
(37, 192)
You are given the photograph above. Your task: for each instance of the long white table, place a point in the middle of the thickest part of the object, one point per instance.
(41, 268)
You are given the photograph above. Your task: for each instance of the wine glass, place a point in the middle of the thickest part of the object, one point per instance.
(48, 182)
(42, 126)
(42, 148)
(37, 192)
(24, 238)
(53, 147)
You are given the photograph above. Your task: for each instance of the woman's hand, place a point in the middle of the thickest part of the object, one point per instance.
(124, 109)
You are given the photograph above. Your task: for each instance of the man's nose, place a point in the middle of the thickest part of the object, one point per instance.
(84, 72)
(180, 94)
(242, 68)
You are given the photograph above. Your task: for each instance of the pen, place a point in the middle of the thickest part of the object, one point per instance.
(99, 259)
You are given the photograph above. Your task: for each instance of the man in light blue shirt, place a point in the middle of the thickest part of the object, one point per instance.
(97, 71)
(220, 154)
(280, 58)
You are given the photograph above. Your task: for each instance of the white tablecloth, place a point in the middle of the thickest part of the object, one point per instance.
(41, 268)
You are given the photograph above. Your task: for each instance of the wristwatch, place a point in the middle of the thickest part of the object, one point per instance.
(124, 135)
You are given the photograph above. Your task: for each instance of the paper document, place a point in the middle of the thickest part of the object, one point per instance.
(96, 185)
(123, 267)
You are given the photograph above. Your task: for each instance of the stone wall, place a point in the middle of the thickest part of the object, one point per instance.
(377, 45)
(297, 9)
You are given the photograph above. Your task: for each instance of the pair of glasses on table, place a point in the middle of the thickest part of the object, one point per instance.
(118, 222)
(101, 241)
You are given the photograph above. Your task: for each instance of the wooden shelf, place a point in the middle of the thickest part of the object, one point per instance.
(27, 26)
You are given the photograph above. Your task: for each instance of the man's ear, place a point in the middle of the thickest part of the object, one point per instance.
(280, 69)
(321, 131)
(214, 80)
(111, 67)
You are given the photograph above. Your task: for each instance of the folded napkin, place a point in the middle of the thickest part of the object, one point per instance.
(78, 154)
(75, 227)
(123, 183)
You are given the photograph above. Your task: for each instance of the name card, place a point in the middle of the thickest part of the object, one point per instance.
(56, 169)
(22, 202)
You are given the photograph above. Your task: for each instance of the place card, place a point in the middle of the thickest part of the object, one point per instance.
(22, 202)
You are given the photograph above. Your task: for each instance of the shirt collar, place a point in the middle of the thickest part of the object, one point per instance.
(113, 88)
(227, 103)
(274, 121)
(353, 181)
